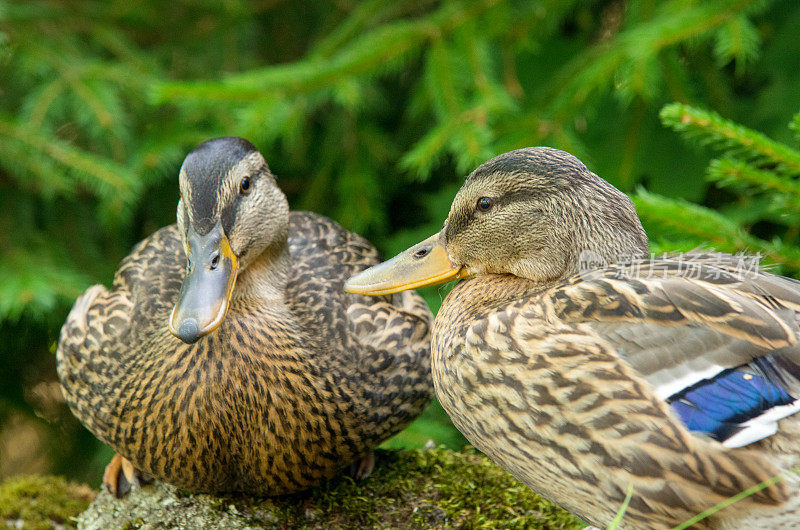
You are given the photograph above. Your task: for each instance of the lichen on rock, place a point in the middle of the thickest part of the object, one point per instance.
(434, 488)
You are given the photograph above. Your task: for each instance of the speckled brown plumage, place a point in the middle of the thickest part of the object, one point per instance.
(564, 373)
(532, 377)
(286, 392)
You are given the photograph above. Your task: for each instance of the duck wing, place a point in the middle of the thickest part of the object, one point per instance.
(561, 386)
(718, 342)
(108, 328)
(383, 342)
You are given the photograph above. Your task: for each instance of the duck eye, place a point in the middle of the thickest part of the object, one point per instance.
(244, 186)
(484, 204)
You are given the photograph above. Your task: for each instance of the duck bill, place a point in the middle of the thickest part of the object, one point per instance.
(207, 287)
(426, 263)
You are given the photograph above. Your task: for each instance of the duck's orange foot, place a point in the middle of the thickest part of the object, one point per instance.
(120, 476)
(363, 468)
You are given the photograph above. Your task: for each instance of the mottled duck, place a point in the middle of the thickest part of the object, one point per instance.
(584, 367)
(226, 355)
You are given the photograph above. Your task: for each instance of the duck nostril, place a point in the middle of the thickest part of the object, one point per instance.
(215, 261)
(421, 253)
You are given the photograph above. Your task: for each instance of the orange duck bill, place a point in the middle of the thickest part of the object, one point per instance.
(426, 263)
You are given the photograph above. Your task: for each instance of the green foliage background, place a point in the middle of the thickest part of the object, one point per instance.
(369, 112)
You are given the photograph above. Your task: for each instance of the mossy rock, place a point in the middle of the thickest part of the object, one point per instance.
(33, 502)
(434, 488)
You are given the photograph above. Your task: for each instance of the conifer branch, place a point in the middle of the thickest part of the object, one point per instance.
(795, 125)
(737, 40)
(425, 154)
(727, 172)
(33, 282)
(371, 52)
(109, 179)
(364, 14)
(46, 97)
(635, 48)
(709, 128)
(708, 227)
(69, 73)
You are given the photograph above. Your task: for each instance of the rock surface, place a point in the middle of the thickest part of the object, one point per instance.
(408, 489)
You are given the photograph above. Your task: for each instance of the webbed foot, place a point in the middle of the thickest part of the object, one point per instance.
(363, 468)
(121, 476)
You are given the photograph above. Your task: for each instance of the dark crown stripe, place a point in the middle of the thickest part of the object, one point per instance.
(205, 168)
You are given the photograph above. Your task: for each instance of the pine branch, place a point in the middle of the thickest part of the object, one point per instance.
(31, 283)
(636, 49)
(425, 154)
(737, 40)
(709, 128)
(708, 227)
(109, 180)
(364, 14)
(751, 209)
(69, 72)
(795, 125)
(43, 99)
(727, 172)
(439, 82)
(371, 52)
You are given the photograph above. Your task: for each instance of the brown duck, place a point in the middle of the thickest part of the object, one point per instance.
(227, 357)
(584, 368)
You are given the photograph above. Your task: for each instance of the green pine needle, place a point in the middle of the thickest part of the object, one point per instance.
(727, 172)
(709, 128)
(709, 228)
(795, 124)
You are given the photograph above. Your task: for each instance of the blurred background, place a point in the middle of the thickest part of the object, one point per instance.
(370, 112)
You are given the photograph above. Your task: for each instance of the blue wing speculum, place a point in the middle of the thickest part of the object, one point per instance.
(738, 406)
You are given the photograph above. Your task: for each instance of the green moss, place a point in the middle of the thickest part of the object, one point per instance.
(408, 489)
(41, 501)
(438, 488)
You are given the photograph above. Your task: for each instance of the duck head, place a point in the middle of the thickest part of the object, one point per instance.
(532, 212)
(230, 213)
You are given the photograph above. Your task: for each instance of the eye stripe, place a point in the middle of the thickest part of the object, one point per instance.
(461, 220)
(228, 216)
(204, 175)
